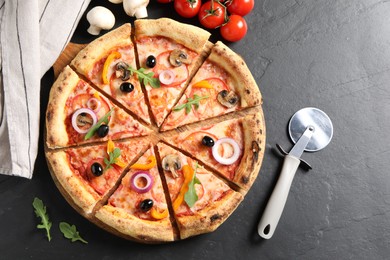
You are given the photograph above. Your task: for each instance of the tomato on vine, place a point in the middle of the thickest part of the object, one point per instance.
(187, 8)
(235, 29)
(212, 14)
(240, 7)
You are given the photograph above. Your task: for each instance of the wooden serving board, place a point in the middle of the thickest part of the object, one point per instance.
(66, 57)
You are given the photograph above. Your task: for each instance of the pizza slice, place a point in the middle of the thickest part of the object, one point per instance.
(171, 52)
(222, 84)
(201, 202)
(86, 174)
(138, 207)
(109, 63)
(78, 114)
(234, 148)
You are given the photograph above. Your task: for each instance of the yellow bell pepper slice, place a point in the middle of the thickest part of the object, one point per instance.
(202, 84)
(156, 214)
(188, 173)
(113, 55)
(140, 166)
(110, 148)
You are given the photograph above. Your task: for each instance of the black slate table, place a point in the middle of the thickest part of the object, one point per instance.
(334, 55)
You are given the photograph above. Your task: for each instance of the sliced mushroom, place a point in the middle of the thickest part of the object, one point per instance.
(83, 119)
(178, 57)
(228, 99)
(122, 71)
(172, 163)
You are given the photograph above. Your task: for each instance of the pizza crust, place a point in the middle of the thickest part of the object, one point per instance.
(238, 72)
(77, 192)
(145, 231)
(56, 135)
(101, 47)
(190, 36)
(254, 138)
(209, 218)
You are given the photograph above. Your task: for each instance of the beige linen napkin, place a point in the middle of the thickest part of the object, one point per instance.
(32, 35)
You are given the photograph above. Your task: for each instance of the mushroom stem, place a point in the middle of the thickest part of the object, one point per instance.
(94, 30)
(141, 12)
(173, 171)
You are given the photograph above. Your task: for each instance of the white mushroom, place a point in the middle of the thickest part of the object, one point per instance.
(100, 18)
(116, 1)
(136, 8)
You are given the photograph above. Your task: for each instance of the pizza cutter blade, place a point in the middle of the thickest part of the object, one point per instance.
(311, 130)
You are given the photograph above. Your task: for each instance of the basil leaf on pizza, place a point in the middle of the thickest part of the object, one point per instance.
(190, 197)
(146, 78)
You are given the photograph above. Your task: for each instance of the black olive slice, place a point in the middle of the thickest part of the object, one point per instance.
(208, 141)
(126, 87)
(102, 131)
(146, 205)
(96, 169)
(151, 61)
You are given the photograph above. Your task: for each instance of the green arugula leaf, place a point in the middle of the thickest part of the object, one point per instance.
(190, 197)
(70, 232)
(190, 102)
(95, 127)
(146, 78)
(115, 154)
(40, 211)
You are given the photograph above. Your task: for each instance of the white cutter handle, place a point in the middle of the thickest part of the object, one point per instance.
(275, 205)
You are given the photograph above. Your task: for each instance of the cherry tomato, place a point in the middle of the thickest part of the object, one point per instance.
(240, 7)
(164, 1)
(235, 29)
(187, 8)
(211, 14)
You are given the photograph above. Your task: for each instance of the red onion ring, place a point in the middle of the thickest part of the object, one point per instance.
(145, 175)
(231, 159)
(77, 113)
(166, 77)
(94, 102)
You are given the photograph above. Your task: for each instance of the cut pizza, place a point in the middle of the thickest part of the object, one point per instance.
(222, 84)
(234, 148)
(78, 114)
(86, 174)
(138, 207)
(180, 172)
(109, 63)
(201, 202)
(171, 51)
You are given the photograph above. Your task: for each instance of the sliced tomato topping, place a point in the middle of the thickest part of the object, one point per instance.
(193, 143)
(181, 72)
(81, 101)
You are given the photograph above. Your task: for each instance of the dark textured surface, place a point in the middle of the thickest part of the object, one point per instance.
(334, 55)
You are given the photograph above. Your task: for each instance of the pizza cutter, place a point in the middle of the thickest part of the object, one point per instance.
(311, 130)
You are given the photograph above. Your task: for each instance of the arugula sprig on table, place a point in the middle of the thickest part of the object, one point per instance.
(190, 102)
(190, 197)
(40, 211)
(146, 78)
(70, 232)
